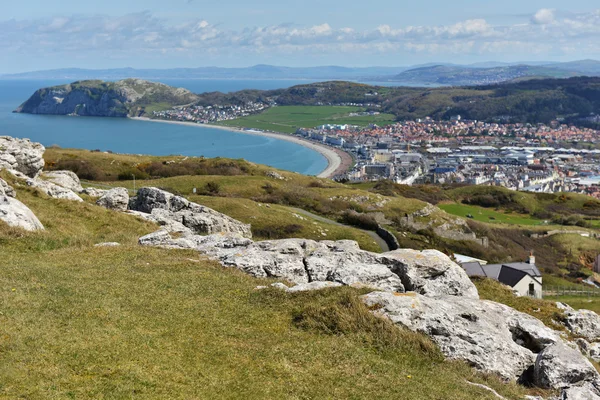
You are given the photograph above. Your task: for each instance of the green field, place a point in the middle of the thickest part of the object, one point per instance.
(288, 119)
(488, 215)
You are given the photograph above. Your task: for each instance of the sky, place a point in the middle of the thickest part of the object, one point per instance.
(42, 34)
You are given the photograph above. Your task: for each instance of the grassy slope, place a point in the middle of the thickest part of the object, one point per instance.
(488, 215)
(288, 119)
(131, 322)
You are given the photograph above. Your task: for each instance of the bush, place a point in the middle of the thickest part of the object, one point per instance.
(212, 187)
(364, 221)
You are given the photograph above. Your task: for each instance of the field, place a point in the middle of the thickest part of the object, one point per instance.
(489, 215)
(129, 322)
(288, 119)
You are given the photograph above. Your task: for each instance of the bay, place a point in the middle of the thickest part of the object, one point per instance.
(122, 135)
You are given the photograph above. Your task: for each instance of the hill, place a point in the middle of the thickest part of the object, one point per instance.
(130, 97)
(468, 76)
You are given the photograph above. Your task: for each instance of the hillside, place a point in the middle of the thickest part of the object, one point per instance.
(468, 76)
(533, 101)
(195, 285)
(130, 97)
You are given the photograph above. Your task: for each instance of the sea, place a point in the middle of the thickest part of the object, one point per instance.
(122, 135)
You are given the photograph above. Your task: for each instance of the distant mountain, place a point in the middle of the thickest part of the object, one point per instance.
(255, 72)
(130, 97)
(583, 67)
(467, 76)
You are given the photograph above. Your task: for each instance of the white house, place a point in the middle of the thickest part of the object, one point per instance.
(524, 277)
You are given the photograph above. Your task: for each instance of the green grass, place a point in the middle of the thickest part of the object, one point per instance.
(288, 119)
(579, 302)
(488, 215)
(131, 322)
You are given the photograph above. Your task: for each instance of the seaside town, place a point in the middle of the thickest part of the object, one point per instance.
(529, 157)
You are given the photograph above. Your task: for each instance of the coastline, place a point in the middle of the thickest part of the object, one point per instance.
(338, 161)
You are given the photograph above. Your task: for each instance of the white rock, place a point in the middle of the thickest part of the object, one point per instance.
(21, 155)
(431, 273)
(94, 192)
(66, 179)
(583, 391)
(116, 199)
(200, 219)
(490, 336)
(307, 287)
(6, 190)
(559, 366)
(16, 214)
(53, 190)
(583, 323)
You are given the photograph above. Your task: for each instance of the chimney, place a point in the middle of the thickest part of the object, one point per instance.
(531, 258)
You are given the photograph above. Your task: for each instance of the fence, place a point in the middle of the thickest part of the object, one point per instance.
(571, 291)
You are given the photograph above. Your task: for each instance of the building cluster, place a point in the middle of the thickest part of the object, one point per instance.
(210, 114)
(537, 158)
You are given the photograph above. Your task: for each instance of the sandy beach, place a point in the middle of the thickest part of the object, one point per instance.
(338, 161)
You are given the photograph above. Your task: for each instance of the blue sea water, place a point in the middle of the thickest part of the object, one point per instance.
(138, 137)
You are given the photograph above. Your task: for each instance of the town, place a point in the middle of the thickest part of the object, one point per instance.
(531, 157)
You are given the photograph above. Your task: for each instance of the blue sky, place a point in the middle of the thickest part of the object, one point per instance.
(42, 34)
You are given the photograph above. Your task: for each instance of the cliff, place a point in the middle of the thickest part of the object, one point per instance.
(129, 97)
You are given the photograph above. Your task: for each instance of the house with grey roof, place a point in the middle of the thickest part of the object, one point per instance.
(524, 277)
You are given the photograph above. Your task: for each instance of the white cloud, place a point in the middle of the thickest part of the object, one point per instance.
(142, 33)
(544, 16)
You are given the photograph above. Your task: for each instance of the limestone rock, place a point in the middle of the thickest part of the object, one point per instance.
(308, 287)
(491, 337)
(200, 219)
(53, 190)
(163, 218)
(163, 239)
(431, 273)
(583, 323)
(591, 350)
(559, 366)
(6, 190)
(116, 199)
(66, 179)
(584, 391)
(16, 214)
(275, 175)
(21, 155)
(94, 192)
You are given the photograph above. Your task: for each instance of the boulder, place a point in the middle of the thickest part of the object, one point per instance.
(53, 190)
(199, 219)
(94, 192)
(163, 218)
(591, 350)
(16, 214)
(491, 337)
(583, 323)
(22, 155)
(67, 179)
(583, 391)
(6, 190)
(116, 199)
(431, 273)
(559, 366)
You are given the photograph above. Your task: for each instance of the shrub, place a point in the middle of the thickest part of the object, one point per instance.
(212, 187)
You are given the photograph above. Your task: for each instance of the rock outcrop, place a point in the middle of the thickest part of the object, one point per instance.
(304, 261)
(559, 366)
(21, 155)
(489, 336)
(66, 179)
(171, 208)
(14, 213)
(116, 199)
(583, 323)
(53, 190)
(123, 98)
(591, 350)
